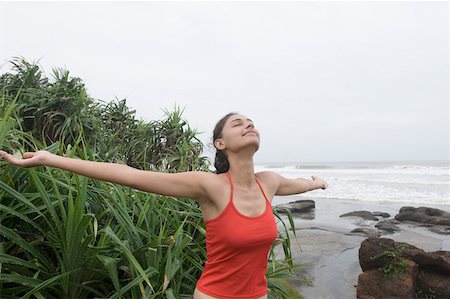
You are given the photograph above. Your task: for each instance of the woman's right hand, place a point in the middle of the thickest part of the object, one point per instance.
(30, 158)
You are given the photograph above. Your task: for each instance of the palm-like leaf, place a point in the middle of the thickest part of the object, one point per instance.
(63, 235)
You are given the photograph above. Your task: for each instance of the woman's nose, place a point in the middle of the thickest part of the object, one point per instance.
(250, 125)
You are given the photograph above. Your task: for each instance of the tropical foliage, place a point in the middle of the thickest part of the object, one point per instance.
(63, 235)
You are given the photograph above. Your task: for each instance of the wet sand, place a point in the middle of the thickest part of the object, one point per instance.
(329, 252)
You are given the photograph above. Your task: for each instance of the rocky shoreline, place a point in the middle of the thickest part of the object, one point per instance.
(329, 244)
(400, 270)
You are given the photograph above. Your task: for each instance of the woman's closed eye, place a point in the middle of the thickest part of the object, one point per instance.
(239, 122)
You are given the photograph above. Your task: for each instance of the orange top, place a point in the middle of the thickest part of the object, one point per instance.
(237, 249)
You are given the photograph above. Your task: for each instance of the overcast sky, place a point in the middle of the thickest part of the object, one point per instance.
(323, 81)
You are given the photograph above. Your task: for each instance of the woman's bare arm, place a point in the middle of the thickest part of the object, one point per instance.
(286, 186)
(184, 184)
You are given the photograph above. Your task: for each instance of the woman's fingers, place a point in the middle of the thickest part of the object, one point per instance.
(5, 155)
(8, 157)
(325, 184)
(29, 159)
(15, 161)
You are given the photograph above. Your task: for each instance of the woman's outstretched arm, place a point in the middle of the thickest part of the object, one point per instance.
(286, 186)
(185, 184)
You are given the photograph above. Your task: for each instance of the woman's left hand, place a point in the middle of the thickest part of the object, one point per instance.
(324, 185)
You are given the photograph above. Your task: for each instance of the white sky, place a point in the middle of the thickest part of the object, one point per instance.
(323, 81)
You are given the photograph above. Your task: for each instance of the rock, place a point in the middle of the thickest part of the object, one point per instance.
(372, 284)
(387, 225)
(371, 253)
(381, 214)
(438, 261)
(428, 211)
(440, 229)
(424, 215)
(363, 214)
(381, 256)
(409, 251)
(433, 285)
(298, 206)
(369, 232)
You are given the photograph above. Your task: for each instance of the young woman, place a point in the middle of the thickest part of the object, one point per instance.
(235, 204)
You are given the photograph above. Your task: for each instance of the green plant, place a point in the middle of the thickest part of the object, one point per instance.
(67, 236)
(290, 291)
(395, 265)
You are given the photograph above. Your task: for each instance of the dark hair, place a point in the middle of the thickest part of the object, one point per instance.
(221, 161)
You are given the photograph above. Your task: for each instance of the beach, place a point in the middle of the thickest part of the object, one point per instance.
(329, 251)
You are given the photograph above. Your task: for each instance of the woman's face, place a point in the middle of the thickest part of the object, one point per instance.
(239, 131)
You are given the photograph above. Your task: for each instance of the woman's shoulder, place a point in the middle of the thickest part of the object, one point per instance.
(268, 178)
(212, 179)
(266, 174)
(269, 181)
(209, 174)
(214, 185)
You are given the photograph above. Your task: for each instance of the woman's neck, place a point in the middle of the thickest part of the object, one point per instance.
(242, 171)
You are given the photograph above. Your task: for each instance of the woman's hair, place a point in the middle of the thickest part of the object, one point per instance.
(221, 161)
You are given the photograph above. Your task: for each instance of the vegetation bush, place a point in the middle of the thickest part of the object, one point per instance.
(63, 235)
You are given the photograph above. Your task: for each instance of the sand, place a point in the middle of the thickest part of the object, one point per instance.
(329, 252)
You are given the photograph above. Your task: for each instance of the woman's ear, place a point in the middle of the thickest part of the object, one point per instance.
(218, 144)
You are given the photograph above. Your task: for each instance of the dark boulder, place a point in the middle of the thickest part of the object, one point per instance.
(424, 215)
(433, 285)
(363, 214)
(409, 251)
(298, 206)
(381, 256)
(427, 211)
(381, 214)
(372, 284)
(438, 261)
(371, 253)
(387, 225)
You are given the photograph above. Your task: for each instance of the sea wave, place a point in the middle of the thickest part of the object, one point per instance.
(405, 181)
(422, 200)
(408, 183)
(419, 170)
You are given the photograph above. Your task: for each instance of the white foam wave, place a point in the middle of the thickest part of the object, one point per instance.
(394, 183)
(438, 171)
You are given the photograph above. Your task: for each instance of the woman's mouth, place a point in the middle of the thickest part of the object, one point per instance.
(249, 132)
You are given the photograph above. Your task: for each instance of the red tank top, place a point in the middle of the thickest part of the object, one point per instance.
(237, 249)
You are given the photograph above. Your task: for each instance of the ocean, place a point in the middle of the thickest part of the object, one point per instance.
(417, 182)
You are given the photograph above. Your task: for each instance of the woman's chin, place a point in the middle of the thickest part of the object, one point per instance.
(252, 145)
(255, 146)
